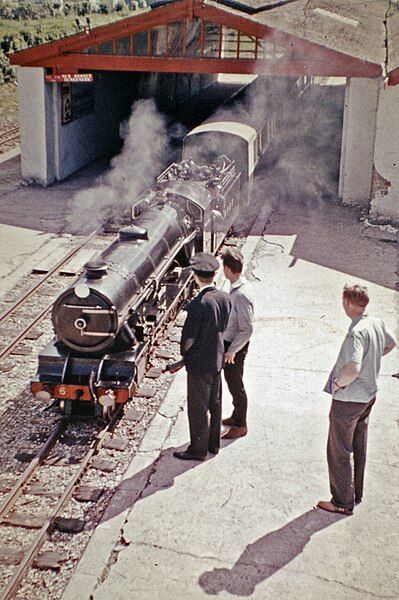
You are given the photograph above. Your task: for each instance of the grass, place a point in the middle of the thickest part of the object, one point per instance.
(58, 26)
(8, 106)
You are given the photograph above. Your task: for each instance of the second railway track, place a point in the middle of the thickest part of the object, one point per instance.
(9, 137)
(19, 319)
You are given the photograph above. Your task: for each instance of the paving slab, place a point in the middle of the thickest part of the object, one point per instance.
(242, 523)
(18, 247)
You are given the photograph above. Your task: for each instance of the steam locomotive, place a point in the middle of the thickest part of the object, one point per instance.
(108, 320)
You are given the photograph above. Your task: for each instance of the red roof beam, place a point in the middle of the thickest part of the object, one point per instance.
(293, 68)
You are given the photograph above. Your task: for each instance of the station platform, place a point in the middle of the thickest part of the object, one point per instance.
(242, 524)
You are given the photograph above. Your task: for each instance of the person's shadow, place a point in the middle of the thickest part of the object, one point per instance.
(158, 476)
(267, 555)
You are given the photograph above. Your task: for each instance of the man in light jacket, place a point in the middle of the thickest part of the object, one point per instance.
(353, 386)
(236, 339)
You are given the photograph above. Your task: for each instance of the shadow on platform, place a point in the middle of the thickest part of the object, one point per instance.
(158, 476)
(267, 555)
(259, 560)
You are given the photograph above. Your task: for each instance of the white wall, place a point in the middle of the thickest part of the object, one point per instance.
(385, 189)
(358, 136)
(37, 126)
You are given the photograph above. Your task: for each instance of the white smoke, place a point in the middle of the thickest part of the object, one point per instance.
(302, 161)
(132, 171)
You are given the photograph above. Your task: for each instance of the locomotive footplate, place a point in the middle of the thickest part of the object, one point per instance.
(108, 379)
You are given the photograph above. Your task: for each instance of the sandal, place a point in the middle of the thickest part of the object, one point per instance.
(330, 507)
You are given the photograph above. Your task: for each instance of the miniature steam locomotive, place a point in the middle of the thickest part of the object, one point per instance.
(107, 321)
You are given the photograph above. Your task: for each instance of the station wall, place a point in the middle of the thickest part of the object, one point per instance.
(52, 147)
(385, 186)
(369, 172)
(36, 126)
(358, 138)
(83, 140)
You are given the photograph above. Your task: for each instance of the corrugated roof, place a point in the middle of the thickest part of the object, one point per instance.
(364, 29)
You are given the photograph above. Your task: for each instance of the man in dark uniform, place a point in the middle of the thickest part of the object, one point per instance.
(218, 201)
(202, 349)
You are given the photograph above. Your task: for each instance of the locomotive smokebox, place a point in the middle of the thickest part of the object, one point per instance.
(85, 324)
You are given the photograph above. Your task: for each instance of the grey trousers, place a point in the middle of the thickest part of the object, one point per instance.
(204, 394)
(347, 434)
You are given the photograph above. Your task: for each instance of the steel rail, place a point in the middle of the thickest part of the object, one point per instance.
(43, 280)
(23, 479)
(45, 532)
(4, 352)
(13, 132)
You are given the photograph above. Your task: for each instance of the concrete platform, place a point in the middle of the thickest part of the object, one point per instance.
(33, 220)
(242, 524)
(18, 250)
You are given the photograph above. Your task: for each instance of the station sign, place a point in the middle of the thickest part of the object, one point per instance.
(69, 78)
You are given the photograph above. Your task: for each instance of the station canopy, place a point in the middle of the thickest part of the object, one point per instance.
(201, 36)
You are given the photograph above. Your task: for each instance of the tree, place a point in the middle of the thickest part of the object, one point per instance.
(7, 73)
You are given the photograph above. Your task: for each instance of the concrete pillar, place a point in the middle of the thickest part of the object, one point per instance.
(385, 186)
(358, 137)
(37, 126)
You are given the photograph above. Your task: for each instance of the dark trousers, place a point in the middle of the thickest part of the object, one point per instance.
(233, 374)
(204, 394)
(347, 434)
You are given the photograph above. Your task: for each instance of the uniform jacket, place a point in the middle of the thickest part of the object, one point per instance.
(202, 336)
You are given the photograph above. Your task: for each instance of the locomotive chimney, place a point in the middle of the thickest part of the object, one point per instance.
(131, 233)
(95, 269)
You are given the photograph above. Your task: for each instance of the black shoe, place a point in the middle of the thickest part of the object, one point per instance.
(187, 456)
(213, 450)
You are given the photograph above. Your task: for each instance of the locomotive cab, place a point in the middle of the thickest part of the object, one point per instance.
(237, 140)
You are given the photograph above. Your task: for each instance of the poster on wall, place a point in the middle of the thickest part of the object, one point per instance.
(77, 101)
(66, 103)
(82, 97)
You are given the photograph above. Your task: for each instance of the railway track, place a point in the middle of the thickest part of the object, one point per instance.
(9, 515)
(19, 320)
(10, 136)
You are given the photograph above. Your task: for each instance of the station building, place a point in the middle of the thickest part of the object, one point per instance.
(75, 92)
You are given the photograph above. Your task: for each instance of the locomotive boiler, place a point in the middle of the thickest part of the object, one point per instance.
(95, 314)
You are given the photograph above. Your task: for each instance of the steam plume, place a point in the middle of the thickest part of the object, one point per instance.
(132, 171)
